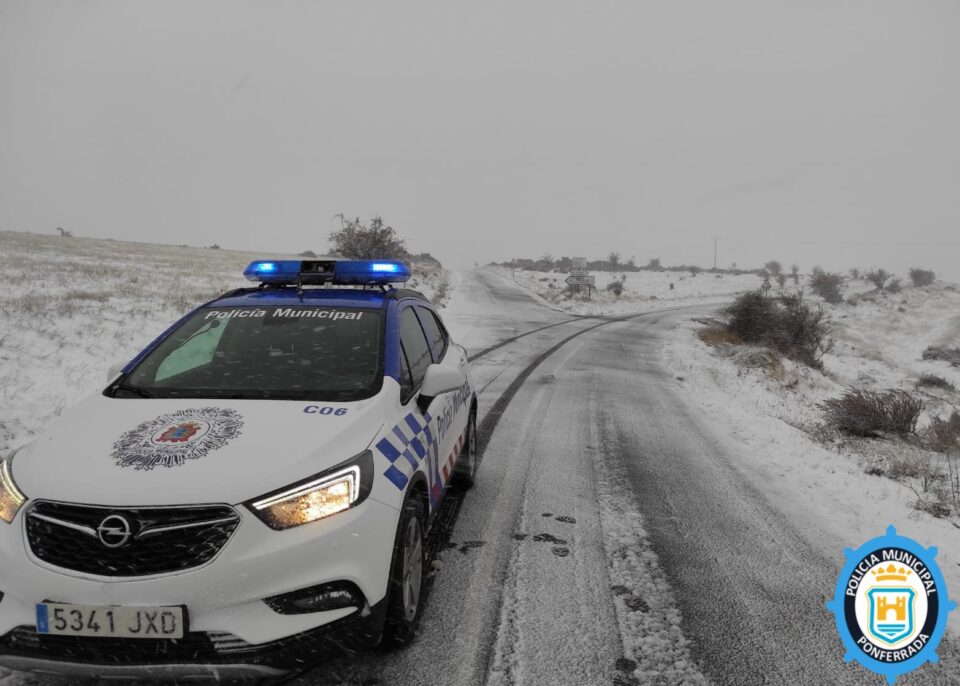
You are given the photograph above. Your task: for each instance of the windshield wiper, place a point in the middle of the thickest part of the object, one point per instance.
(139, 392)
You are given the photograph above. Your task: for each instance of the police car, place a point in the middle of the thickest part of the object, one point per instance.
(251, 489)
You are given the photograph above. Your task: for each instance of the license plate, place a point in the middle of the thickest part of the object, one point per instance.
(60, 619)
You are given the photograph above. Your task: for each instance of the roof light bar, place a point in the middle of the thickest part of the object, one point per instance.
(333, 272)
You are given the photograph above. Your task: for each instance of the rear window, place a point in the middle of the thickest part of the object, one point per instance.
(315, 353)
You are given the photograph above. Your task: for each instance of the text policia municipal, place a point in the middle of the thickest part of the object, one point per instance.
(313, 312)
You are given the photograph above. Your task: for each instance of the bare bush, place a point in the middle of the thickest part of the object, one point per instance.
(943, 435)
(871, 413)
(358, 241)
(893, 286)
(785, 323)
(616, 286)
(827, 286)
(934, 381)
(877, 277)
(922, 277)
(951, 355)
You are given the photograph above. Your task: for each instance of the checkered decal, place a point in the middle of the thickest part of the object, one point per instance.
(412, 442)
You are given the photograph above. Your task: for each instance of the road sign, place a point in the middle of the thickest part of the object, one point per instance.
(581, 280)
(766, 284)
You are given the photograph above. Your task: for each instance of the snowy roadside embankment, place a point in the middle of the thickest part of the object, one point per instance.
(639, 291)
(827, 481)
(72, 307)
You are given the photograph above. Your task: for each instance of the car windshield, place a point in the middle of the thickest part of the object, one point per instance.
(295, 353)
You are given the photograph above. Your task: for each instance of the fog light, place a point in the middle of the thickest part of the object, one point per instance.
(333, 596)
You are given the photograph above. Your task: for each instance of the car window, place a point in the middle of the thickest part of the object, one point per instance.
(195, 352)
(316, 352)
(435, 332)
(407, 386)
(415, 345)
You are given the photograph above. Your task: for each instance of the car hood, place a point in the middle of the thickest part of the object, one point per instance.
(137, 452)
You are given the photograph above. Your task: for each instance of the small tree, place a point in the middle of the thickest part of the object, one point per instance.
(922, 277)
(795, 274)
(64, 233)
(877, 277)
(357, 241)
(854, 273)
(781, 280)
(827, 286)
(614, 259)
(774, 267)
(654, 264)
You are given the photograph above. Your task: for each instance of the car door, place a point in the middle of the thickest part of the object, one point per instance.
(455, 409)
(416, 356)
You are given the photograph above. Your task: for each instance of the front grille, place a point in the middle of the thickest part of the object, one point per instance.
(125, 542)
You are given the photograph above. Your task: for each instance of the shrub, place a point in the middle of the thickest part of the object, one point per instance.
(951, 355)
(616, 286)
(893, 286)
(935, 381)
(921, 277)
(827, 286)
(781, 280)
(943, 435)
(784, 323)
(870, 413)
(358, 241)
(877, 277)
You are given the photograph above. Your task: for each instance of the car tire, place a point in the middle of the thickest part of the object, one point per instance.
(408, 570)
(465, 471)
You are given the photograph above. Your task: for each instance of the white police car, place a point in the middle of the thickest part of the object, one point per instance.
(254, 487)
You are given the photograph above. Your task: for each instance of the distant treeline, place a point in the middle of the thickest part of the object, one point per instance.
(613, 263)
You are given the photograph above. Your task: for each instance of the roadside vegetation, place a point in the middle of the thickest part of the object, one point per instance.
(837, 365)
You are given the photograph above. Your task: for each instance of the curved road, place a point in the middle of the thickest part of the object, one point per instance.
(610, 538)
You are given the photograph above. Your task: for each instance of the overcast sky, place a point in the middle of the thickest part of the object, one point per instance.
(814, 131)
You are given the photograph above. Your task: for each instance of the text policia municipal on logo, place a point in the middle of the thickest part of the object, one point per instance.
(892, 555)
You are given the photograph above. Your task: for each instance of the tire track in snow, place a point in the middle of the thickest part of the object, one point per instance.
(654, 646)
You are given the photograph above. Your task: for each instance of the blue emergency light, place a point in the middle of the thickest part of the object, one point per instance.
(333, 272)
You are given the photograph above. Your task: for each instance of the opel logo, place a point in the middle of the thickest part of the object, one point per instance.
(114, 531)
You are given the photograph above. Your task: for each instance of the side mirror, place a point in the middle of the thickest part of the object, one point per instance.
(115, 370)
(441, 379)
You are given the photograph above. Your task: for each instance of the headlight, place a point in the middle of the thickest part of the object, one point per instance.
(325, 494)
(11, 498)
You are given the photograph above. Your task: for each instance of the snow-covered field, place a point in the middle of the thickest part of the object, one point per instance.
(854, 487)
(72, 307)
(642, 291)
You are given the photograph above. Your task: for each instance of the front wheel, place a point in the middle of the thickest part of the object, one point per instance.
(465, 471)
(405, 587)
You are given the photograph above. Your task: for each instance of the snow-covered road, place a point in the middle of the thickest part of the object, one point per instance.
(610, 538)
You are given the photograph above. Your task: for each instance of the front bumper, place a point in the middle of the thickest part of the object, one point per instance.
(230, 625)
(199, 655)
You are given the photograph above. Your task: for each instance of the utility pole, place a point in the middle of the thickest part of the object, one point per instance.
(715, 252)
